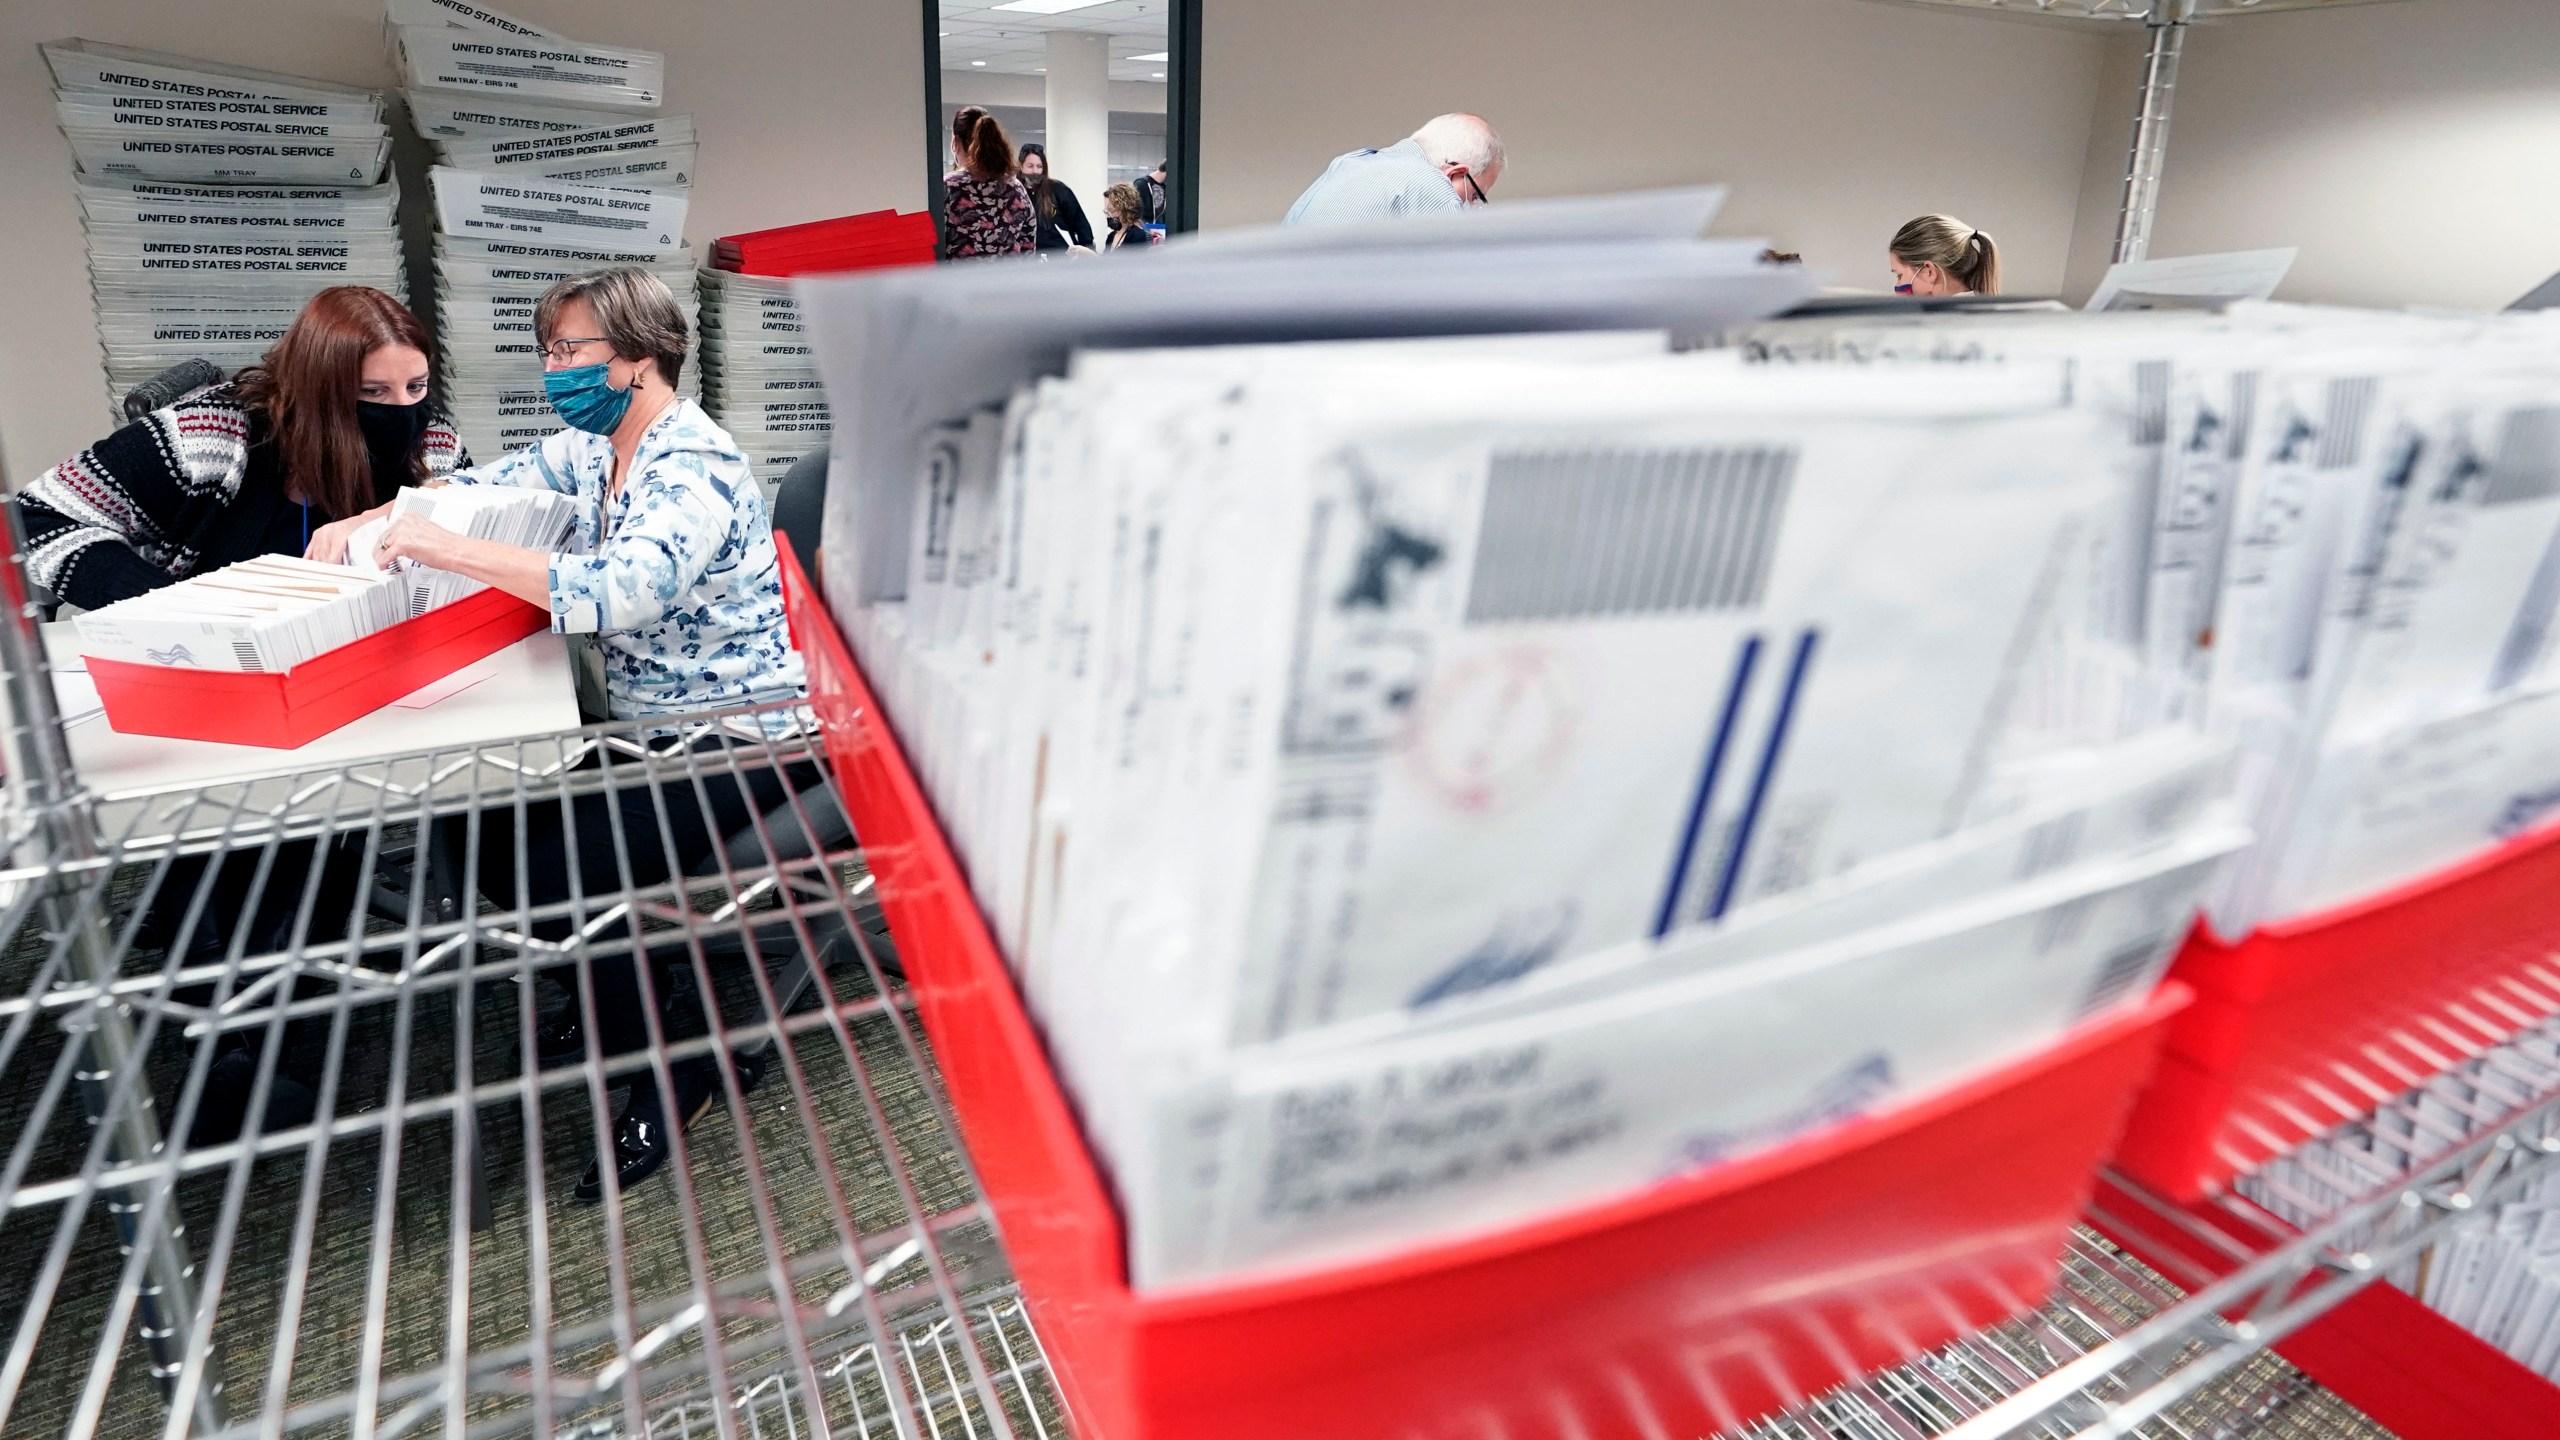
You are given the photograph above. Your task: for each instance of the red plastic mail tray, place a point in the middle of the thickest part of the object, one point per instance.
(294, 707)
(1683, 1310)
(2422, 1376)
(2314, 1022)
(2382, 1350)
(849, 242)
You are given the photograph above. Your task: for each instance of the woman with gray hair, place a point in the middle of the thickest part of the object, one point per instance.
(672, 569)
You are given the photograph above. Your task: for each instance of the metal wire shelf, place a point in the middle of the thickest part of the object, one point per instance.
(2126, 1349)
(404, 1259)
(402, 1262)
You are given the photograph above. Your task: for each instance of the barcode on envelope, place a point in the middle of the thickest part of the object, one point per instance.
(2123, 972)
(2528, 458)
(2342, 423)
(1571, 533)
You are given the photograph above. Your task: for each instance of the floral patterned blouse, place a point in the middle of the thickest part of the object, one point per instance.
(988, 217)
(676, 576)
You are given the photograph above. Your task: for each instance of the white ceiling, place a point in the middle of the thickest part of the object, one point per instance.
(1014, 42)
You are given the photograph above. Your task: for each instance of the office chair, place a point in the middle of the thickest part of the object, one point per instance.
(799, 503)
(800, 507)
(182, 381)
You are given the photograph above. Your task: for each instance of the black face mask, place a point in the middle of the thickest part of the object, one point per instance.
(391, 434)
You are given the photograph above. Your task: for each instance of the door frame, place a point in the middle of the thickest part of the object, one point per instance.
(1181, 113)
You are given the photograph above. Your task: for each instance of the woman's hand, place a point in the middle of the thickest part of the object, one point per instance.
(411, 538)
(521, 572)
(329, 542)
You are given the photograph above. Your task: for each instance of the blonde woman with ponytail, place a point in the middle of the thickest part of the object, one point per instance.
(986, 208)
(1942, 255)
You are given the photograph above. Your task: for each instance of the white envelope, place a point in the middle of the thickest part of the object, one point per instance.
(1293, 1160)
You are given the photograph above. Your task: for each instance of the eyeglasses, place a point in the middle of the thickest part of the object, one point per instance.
(1469, 177)
(565, 348)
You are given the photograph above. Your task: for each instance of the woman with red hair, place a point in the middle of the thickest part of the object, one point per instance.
(333, 422)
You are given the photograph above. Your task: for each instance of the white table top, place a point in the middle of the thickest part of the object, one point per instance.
(526, 690)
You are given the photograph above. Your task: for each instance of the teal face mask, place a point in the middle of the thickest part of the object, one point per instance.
(586, 399)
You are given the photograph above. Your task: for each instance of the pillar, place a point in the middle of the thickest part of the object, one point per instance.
(1080, 116)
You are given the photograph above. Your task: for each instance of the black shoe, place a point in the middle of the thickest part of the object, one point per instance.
(224, 1105)
(640, 1140)
(563, 1041)
(290, 1102)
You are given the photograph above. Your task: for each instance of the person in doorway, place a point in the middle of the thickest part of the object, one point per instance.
(1450, 163)
(673, 570)
(986, 208)
(1060, 215)
(1941, 255)
(334, 420)
(1155, 203)
(1128, 232)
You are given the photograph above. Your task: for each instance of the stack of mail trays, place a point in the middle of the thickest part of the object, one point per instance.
(759, 377)
(1422, 784)
(217, 200)
(549, 163)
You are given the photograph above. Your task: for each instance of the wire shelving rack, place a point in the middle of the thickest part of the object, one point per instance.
(405, 1255)
(2176, 1347)
(407, 1260)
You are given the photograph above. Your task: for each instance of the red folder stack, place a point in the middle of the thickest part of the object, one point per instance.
(868, 241)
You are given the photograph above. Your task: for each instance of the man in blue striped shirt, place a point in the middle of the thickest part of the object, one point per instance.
(1451, 162)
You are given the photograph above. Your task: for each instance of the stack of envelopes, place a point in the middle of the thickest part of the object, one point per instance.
(535, 519)
(2339, 550)
(267, 614)
(217, 200)
(1426, 774)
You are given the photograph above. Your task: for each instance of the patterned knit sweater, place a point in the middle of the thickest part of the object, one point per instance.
(163, 497)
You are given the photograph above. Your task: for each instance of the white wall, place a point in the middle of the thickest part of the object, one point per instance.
(2411, 150)
(1833, 120)
(807, 108)
(988, 87)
